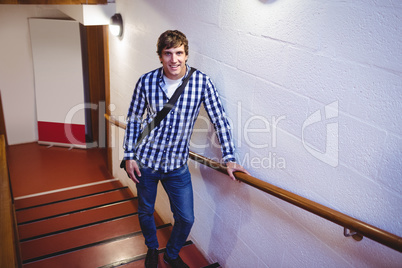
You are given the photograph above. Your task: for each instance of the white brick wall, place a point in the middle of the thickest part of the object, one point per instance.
(16, 70)
(285, 58)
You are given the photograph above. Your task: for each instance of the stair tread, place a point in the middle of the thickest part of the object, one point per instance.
(77, 219)
(103, 254)
(80, 237)
(72, 205)
(189, 254)
(62, 195)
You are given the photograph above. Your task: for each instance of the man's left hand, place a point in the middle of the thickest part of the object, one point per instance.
(233, 167)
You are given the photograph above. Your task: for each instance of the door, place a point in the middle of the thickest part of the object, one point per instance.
(59, 82)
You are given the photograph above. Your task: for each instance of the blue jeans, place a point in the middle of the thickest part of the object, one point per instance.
(179, 189)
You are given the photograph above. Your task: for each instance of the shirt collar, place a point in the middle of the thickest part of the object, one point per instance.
(162, 81)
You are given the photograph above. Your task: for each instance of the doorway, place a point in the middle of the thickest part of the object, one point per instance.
(72, 83)
(96, 55)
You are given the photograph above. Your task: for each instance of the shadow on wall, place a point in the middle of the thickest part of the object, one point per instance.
(227, 219)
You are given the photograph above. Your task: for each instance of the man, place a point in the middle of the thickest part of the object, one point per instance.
(162, 155)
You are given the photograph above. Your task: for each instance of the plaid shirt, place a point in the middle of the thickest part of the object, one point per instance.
(166, 147)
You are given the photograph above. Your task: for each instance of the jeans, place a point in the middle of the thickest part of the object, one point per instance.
(178, 187)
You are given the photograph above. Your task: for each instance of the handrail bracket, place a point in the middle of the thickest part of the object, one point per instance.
(350, 233)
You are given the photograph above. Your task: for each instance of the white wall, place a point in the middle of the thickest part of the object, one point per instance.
(16, 70)
(276, 63)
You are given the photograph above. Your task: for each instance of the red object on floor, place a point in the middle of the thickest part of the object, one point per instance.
(61, 133)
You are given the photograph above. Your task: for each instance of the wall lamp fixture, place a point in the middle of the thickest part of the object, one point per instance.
(116, 25)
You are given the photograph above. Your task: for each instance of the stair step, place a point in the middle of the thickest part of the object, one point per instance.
(69, 221)
(72, 206)
(66, 241)
(58, 196)
(101, 254)
(189, 253)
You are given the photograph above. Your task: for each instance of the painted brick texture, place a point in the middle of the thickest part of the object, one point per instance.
(313, 89)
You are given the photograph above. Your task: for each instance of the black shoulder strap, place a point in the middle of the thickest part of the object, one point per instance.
(166, 108)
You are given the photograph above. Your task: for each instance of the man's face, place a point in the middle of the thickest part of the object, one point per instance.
(174, 62)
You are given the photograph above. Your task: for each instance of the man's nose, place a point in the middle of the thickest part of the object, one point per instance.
(174, 57)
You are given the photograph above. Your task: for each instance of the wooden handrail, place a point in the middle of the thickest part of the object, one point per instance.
(8, 235)
(359, 227)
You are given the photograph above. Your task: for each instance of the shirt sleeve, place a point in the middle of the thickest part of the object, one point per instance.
(217, 115)
(134, 119)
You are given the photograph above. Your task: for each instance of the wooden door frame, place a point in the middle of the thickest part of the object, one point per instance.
(107, 95)
(3, 122)
(97, 49)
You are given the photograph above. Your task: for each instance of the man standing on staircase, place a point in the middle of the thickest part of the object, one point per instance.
(162, 154)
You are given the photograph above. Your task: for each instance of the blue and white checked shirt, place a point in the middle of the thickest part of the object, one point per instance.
(167, 146)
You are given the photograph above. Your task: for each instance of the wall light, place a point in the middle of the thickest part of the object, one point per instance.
(116, 25)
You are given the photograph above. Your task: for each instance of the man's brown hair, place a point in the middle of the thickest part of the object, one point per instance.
(172, 39)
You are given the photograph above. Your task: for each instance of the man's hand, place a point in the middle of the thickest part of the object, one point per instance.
(133, 171)
(232, 167)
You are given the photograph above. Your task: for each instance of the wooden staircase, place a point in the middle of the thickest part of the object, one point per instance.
(89, 226)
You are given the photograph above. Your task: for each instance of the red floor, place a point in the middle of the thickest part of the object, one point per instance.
(35, 169)
(72, 213)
